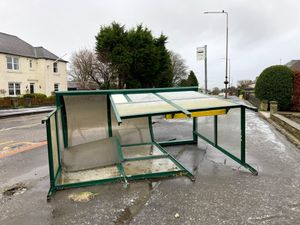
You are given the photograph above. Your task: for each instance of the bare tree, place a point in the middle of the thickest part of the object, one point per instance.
(90, 72)
(179, 68)
(244, 83)
(215, 91)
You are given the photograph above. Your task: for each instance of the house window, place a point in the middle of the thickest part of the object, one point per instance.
(56, 88)
(55, 69)
(30, 64)
(12, 63)
(14, 88)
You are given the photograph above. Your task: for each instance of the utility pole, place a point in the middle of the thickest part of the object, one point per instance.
(205, 69)
(226, 67)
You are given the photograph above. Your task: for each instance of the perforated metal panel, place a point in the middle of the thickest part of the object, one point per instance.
(86, 118)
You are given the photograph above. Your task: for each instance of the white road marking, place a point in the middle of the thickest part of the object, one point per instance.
(19, 127)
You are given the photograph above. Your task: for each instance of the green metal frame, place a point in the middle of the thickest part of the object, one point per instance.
(54, 178)
(242, 160)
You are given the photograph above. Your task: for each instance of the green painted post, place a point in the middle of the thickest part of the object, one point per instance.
(195, 128)
(243, 135)
(108, 110)
(186, 112)
(59, 103)
(150, 128)
(50, 159)
(216, 129)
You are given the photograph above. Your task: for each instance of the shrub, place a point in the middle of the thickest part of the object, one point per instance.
(275, 84)
(35, 95)
(40, 96)
(28, 96)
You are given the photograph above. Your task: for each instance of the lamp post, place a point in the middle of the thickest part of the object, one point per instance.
(226, 57)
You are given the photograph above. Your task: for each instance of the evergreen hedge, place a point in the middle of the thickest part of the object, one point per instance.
(275, 83)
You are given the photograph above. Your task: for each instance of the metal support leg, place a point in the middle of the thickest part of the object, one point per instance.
(243, 135)
(216, 129)
(195, 128)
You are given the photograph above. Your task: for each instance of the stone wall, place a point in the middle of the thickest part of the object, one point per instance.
(292, 127)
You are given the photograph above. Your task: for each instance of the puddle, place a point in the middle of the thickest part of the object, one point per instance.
(136, 205)
(14, 190)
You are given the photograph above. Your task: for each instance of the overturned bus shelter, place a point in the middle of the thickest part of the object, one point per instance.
(95, 137)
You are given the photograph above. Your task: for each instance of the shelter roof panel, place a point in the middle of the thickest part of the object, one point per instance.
(182, 95)
(204, 103)
(144, 108)
(147, 97)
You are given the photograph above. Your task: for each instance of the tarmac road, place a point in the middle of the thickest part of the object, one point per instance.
(223, 193)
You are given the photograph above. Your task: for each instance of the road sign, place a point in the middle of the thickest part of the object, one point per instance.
(200, 53)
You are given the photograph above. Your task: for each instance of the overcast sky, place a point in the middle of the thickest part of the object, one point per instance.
(261, 32)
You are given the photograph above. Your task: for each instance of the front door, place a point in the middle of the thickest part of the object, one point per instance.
(31, 88)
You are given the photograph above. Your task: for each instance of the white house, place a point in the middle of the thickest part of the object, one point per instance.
(27, 69)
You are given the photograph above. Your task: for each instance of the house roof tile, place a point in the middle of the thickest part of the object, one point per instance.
(13, 45)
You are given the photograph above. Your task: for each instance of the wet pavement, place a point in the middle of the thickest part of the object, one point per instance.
(223, 192)
(25, 111)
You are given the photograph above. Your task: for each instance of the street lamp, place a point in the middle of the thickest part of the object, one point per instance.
(226, 66)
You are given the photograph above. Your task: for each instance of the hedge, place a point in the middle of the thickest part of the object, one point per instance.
(275, 83)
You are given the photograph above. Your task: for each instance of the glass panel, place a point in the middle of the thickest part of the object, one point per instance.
(119, 98)
(182, 95)
(172, 129)
(128, 109)
(132, 131)
(16, 60)
(11, 88)
(149, 97)
(55, 69)
(206, 127)
(149, 166)
(17, 88)
(56, 87)
(54, 144)
(16, 66)
(140, 151)
(16, 63)
(9, 62)
(230, 123)
(9, 66)
(203, 103)
(9, 59)
(89, 175)
(60, 131)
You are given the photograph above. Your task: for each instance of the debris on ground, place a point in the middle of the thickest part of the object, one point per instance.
(85, 196)
(16, 189)
(177, 215)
